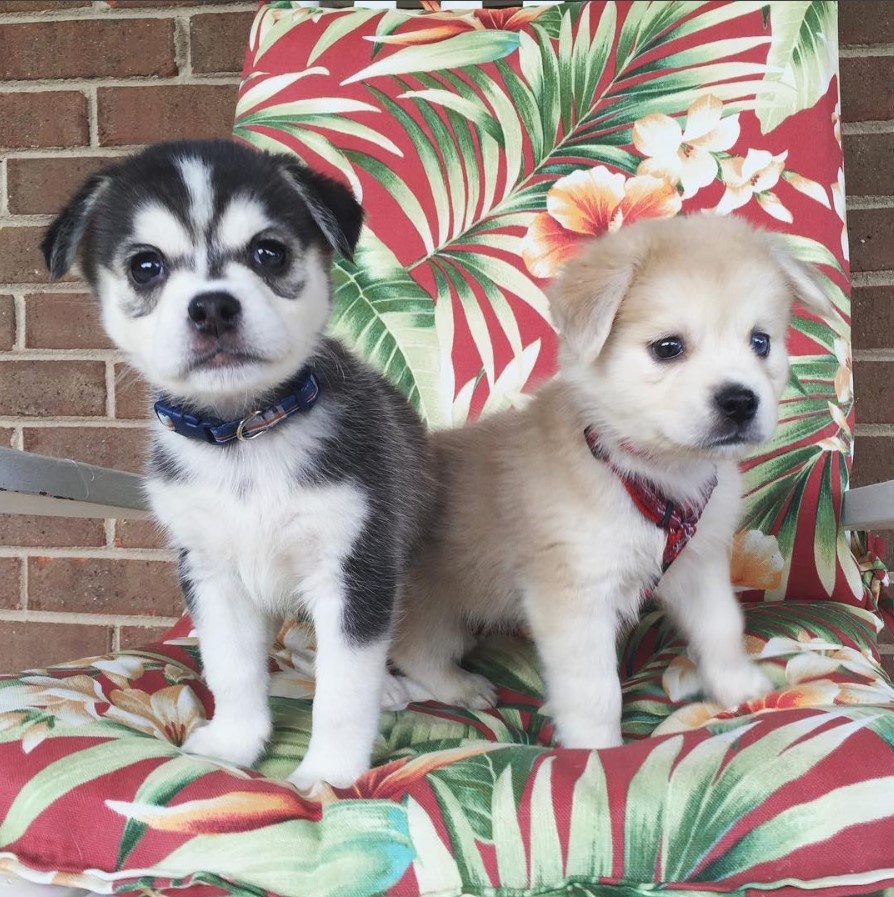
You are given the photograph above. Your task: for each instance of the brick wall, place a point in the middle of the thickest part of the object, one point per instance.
(84, 81)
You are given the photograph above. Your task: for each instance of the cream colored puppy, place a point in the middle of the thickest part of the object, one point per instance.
(557, 517)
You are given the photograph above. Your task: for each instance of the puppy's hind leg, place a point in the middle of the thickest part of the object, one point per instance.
(431, 638)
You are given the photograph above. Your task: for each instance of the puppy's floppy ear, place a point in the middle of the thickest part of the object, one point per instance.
(331, 205)
(587, 293)
(62, 239)
(803, 279)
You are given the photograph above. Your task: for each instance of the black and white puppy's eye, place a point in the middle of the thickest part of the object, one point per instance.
(269, 254)
(667, 348)
(760, 343)
(146, 267)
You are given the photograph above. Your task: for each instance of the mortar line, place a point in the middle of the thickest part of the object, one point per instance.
(55, 85)
(183, 45)
(43, 423)
(870, 202)
(874, 430)
(102, 553)
(872, 278)
(93, 115)
(885, 354)
(74, 617)
(867, 127)
(110, 389)
(23, 353)
(19, 305)
(118, 13)
(109, 530)
(861, 51)
(4, 188)
(23, 583)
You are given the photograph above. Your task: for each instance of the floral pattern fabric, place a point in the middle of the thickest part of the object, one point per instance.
(792, 792)
(485, 146)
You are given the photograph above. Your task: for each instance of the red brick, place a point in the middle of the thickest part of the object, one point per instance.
(121, 449)
(872, 385)
(873, 460)
(51, 532)
(33, 645)
(865, 88)
(43, 186)
(9, 583)
(7, 322)
(63, 321)
(867, 163)
(131, 394)
(131, 115)
(873, 317)
(52, 388)
(6, 434)
(104, 586)
(865, 22)
(871, 233)
(44, 118)
(87, 49)
(40, 5)
(139, 534)
(219, 40)
(137, 636)
(20, 258)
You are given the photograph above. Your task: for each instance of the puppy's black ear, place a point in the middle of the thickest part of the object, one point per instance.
(61, 242)
(588, 291)
(331, 205)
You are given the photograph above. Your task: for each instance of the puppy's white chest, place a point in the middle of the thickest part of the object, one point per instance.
(277, 538)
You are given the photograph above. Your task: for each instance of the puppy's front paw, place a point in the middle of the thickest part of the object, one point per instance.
(240, 745)
(312, 775)
(738, 684)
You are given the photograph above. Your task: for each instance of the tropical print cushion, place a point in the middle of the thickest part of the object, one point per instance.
(792, 793)
(486, 144)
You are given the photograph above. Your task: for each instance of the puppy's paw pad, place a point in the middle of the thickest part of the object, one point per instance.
(739, 685)
(236, 745)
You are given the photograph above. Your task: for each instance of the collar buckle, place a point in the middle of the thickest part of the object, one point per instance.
(253, 433)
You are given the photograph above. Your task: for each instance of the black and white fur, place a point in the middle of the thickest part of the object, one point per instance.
(319, 515)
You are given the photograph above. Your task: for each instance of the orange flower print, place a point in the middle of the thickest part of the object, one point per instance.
(453, 23)
(684, 155)
(756, 562)
(589, 202)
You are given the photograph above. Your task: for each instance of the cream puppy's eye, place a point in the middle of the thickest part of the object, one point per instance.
(146, 267)
(667, 348)
(760, 343)
(269, 254)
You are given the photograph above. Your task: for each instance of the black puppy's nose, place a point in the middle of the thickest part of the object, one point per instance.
(738, 403)
(214, 312)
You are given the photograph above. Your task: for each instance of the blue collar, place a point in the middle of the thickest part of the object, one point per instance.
(301, 395)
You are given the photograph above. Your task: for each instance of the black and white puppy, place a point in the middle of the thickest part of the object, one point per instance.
(211, 262)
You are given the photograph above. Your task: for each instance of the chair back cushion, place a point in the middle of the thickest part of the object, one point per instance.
(487, 144)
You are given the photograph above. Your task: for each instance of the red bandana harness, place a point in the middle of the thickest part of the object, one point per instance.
(678, 522)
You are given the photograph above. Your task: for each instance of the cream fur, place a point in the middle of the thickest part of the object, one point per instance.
(533, 530)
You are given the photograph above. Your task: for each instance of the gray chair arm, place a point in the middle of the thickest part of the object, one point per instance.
(34, 484)
(869, 507)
